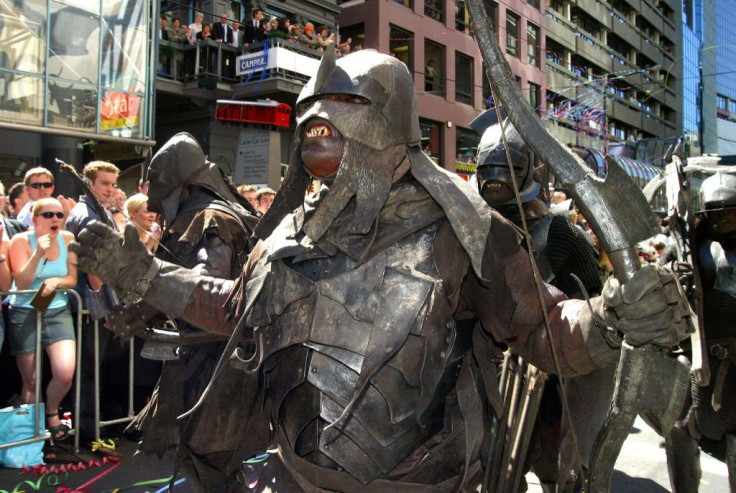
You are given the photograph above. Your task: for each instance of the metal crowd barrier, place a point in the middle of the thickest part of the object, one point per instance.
(38, 435)
(131, 385)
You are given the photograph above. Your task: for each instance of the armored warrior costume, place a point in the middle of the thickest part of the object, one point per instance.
(711, 418)
(370, 368)
(208, 228)
(560, 250)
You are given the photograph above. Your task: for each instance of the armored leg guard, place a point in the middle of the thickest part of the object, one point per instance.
(683, 461)
(731, 460)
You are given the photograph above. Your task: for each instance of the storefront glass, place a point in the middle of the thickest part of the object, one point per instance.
(80, 65)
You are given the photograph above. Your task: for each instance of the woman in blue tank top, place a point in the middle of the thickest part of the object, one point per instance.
(39, 259)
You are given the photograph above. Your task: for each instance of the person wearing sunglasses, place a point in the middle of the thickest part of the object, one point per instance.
(39, 183)
(40, 261)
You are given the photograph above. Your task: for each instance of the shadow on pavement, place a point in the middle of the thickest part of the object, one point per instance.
(623, 482)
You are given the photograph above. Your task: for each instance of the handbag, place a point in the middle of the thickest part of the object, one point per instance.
(101, 302)
(16, 423)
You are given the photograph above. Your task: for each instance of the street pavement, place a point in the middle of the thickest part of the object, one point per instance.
(642, 467)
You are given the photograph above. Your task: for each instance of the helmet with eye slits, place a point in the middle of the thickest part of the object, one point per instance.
(718, 192)
(380, 79)
(493, 164)
(369, 98)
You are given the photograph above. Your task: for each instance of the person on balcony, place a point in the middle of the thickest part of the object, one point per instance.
(237, 35)
(323, 38)
(177, 33)
(163, 32)
(252, 29)
(195, 28)
(221, 31)
(307, 39)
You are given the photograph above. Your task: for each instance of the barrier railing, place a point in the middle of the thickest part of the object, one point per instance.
(131, 385)
(40, 435)
(37, 435)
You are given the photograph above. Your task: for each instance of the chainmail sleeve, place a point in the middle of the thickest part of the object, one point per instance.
(569, 252)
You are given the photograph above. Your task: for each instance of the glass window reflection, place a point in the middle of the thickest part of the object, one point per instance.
(91, 44)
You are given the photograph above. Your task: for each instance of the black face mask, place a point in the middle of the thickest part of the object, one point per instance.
(720, 225)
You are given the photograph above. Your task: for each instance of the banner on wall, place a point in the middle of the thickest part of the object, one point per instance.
(119, 110)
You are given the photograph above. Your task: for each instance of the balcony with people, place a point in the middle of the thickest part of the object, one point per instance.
(211, 64)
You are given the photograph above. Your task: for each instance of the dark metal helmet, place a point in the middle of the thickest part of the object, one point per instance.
(369, 98)
(493, 165)
(718, 192)
(390, 119)
(180, 163)
(718, 202)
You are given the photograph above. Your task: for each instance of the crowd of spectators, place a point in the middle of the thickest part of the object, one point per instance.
(39, 271)
(35, 263)
(252, 30)
(237, 36)
(260, 198)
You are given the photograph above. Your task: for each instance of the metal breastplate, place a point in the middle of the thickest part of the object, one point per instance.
(358, 362)
(719, 294)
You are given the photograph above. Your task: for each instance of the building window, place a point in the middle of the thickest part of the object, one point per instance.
(434, 10)
(48, 77)
(462, 17)
(463, 78)
(557, 5)
(400, 46)
(721, 102)
(434, 68)
(466, 148)
(487, 94)
(534, 94)
(356, 33)
(431, 139)
(532, 41)
(492, 11)
(512, 34)
(406, 3)
(732, 107)
(533, 3)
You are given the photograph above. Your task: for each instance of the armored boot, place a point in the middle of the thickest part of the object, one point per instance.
(683, 461)
(548, 486)
(731, 460)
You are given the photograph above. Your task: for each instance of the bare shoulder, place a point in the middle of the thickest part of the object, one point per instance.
(21, 238)
(68, 236)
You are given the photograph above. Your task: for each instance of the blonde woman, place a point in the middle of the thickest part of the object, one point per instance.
(136, 208)
(118, 214)
(194, 28)
(39, 259)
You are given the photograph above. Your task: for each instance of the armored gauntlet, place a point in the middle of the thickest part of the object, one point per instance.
(651, 308)
(121, 261)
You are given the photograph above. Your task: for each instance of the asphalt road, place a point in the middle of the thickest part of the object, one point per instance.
(642, 467)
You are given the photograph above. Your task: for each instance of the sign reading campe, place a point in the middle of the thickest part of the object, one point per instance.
(119, 110)
(251, 63)
(276, 58)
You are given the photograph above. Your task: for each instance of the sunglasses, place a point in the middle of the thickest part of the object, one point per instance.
(49, 214)
(46, 184)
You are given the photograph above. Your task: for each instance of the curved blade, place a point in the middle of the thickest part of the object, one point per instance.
(615, 208)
